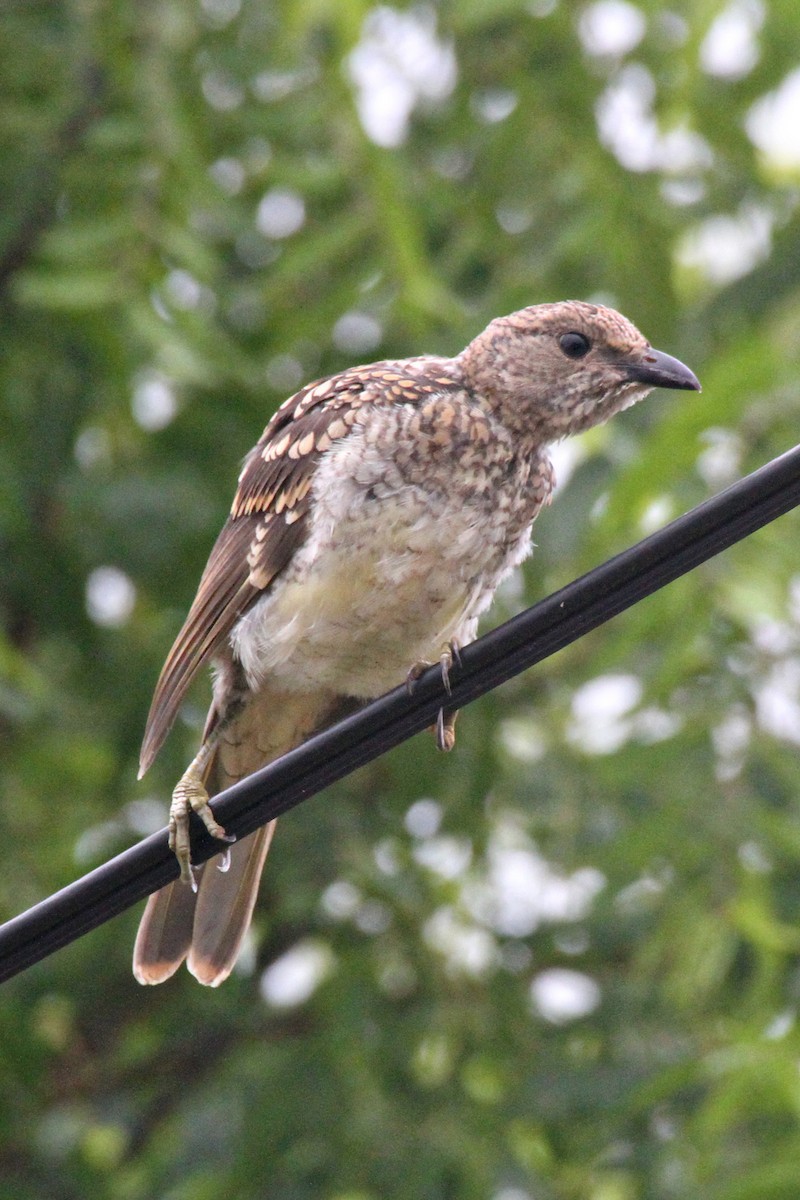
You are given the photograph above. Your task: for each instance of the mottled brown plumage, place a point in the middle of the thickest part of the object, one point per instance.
(372, 524)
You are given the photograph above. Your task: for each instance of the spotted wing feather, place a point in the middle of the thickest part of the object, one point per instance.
(267, 524)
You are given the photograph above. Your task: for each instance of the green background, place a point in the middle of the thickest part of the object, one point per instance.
(563, 962)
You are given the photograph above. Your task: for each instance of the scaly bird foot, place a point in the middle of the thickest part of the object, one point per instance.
(449, 657)
(414, 672)
(444, 728)
(190, 795)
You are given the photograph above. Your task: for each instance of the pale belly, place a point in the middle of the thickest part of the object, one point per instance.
(364, 602)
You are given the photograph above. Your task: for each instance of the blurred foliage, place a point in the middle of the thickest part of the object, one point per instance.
(564, 963)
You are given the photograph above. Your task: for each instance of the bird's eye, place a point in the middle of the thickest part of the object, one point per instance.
(574, 345)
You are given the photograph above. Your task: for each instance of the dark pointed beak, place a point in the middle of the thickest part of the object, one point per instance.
(657, 369)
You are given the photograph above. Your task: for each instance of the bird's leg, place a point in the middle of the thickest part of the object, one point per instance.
(444, 728)
(190, 795)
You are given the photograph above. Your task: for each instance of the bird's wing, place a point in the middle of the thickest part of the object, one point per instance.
(267, 524)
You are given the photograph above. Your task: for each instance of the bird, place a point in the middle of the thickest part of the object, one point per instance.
(372, 524)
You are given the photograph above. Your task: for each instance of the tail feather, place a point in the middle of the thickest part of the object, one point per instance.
(206, 928)
(224, 908)
(165, 933)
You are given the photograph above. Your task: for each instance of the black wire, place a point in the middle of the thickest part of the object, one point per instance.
(527, 639)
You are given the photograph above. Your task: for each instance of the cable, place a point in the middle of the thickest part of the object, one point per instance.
(504, 652)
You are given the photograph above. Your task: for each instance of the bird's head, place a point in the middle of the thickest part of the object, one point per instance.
(554, 369)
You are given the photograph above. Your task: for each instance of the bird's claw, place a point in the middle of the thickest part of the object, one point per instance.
(414, 672)
(446, 729)
(449, 657)
(190, 795)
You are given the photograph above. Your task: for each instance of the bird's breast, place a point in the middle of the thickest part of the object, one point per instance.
(404, 550)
